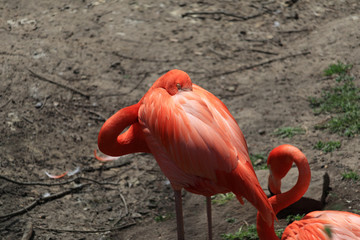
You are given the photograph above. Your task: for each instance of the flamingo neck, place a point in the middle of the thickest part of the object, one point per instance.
(283, 200)
(110, 141)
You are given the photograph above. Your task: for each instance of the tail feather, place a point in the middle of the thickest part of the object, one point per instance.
(244, 183)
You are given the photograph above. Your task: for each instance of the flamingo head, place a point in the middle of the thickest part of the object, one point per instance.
(174, 81)
(279, 163)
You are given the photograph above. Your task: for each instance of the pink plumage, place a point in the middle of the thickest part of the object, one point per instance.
(317, 225)
(193, 137)
(334, 225)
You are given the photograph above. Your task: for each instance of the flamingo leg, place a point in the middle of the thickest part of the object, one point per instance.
(208, 210)
(179, 215)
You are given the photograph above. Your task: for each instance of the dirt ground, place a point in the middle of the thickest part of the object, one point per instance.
(66, 66)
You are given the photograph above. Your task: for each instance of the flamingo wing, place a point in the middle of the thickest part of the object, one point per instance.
(334, 225)
(191, 132)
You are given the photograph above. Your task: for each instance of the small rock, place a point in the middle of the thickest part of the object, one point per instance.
(136, 215)
(262, 131)
(231, 89)
(152, 204)
(38, 105)
(258, 162)
(143, 211)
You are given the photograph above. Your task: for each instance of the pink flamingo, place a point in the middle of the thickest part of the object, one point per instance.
(194, 139)
(324, 225)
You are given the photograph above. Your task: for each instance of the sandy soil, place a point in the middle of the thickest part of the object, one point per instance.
(66, 66)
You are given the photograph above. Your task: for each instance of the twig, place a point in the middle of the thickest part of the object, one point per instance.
(58, 84)
(62, 114)
(27, 183)
(56, 184)
(36, 183)
(244, 49)
(28, 120)
(6, 103)
(107, 167)
(125, 204)
(261, 42)
(138, 84)
(256, 50)
(147, 59)
(244, 18)
(41, 201)
(85, 169)
(97, 182)
(256, 40)
(28, 232)
(45, 99)
(294, 31)
(87, 231)
(101, 117)
(12, 54)
(243, 68)
(222, 56)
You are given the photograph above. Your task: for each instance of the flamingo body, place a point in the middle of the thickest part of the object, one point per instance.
(319, 225)
(193, 137)
(327, 225)
(197, 142)
(184, 134)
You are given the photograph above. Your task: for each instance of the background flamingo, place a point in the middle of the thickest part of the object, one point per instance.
(193, 137)
(315, 225)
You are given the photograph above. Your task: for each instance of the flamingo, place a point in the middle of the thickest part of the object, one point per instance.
(323, 225)
(194, 139)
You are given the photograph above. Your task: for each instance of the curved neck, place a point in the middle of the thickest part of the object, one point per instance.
(283, 200)
(110, 142)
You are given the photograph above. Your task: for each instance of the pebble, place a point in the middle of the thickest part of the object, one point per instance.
(152, 204)
(262, 131)
(258, 162)
(136, 215)
(38, 105)
(231, 89)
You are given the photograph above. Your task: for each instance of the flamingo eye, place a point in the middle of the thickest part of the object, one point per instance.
(178, 85)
